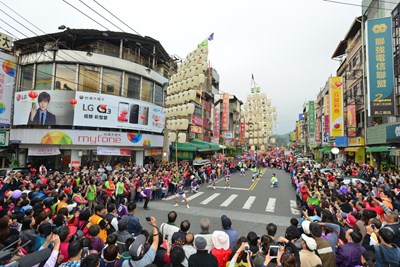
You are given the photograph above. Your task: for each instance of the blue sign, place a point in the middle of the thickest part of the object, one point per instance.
(393, 133)
(380, 67)
(341, 141)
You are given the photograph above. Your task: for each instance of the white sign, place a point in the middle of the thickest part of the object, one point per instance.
(112, 151)
(7, 73)
(43, 151)
(79, 137)
(117, 112)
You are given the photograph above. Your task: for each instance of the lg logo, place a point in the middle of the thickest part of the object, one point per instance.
(397, 131)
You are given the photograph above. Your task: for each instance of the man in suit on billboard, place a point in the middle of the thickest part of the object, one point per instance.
(41, 115)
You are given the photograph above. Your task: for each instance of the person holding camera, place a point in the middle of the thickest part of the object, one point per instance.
(242, 252)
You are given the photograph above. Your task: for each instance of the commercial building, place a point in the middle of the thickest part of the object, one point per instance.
(89, 96)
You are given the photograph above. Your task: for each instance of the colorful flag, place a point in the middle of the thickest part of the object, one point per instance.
(211, 37)
(205, 41)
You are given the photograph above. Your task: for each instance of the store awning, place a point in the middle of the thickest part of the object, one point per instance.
(325, 149)
(352, 149)
(211, 146)
(378, 149)
(185, 147)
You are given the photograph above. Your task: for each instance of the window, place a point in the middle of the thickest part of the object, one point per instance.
(158, 95)
(147, 91)
(65, 77)
(44, 76)
(111, 82)
(89, 77)
(132, 86)
(197, 110)
(27, 78)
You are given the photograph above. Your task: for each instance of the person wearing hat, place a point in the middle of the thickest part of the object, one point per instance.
(324, 249)
(202, 257)
(229, 230)
(221, 248)
(136, 249)
(307, 256)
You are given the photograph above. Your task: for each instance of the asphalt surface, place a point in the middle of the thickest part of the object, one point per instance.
(250, 205)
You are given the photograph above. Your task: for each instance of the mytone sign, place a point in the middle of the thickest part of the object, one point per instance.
(117, 112)
(78, 137)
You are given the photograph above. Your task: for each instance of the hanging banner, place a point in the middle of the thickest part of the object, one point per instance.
(242, 131)
(351, 121)
(325, 130)
(380, 67)
(311, 116)
(336, 106)
(217, 119)
(6, 87)
(225, 112)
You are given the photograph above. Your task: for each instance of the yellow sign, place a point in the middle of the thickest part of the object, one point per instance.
(360, 156)
(355, 141)
(336, 107)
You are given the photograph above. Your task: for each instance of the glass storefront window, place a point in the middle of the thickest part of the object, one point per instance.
(27, 77)
(44, 76)
(65, 77)
(89, 77)
(132, 86)
(158, 95)
(147, 91)
(111, 82)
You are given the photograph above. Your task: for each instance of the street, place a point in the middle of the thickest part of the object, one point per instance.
(250, 205)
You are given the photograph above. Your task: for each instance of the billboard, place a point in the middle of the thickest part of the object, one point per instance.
(225, 112)
(311, 116)
(380, 67)
(110, 111)
(336, 107)
(217, 120)
(81, 137)
(351, 121)
(7, 72)
(43, 107)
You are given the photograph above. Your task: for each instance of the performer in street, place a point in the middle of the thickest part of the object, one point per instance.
(180, 194)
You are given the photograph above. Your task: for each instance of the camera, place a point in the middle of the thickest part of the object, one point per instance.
(373, 226)
(148, 219)
(246, 248)
(273, 251)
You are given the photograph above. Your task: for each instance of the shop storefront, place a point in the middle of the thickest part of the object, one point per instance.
(393, 140)
(59, 149)
(355, 149)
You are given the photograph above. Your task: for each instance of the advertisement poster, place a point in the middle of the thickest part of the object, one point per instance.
(311, 116)
(80, 137)
(217, 122)
(225, 112)
(7, 72)
(242, 131)
(110, 111)
(380, 67)
(336, 107)
(43, 107)
(351, 121)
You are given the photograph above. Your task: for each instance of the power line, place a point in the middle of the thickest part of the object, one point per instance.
(14, 28)
(86, 15)
(116, 17)
(101, 15)
(17, 21)
(357, 5)
(9, 33)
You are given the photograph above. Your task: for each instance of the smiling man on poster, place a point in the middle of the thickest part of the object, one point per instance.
(41, 115)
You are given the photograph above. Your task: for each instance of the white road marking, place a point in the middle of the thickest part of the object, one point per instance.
(292, 208)
(195, 195)
(228, 200)
(233, 188)
(249, 202)
(210, 198)
(271, 205)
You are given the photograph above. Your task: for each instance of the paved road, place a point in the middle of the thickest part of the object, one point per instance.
(250, 205)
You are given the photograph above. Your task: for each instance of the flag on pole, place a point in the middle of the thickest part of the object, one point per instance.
(205, 41)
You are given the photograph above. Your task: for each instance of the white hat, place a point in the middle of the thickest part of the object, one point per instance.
(311, 244)
(306, 226)
(220, 240)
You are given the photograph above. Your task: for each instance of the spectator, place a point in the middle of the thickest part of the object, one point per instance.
(109, 259)
(134, 226)
(169, 228)
(74, 252)
(122, 233)
(307, 256)
(188, 248)
(324, 249)
(91, 260)
(179, 237)
(349, 254)
(205, 233)
(97, 242)
(98, 219)
(202, 257)
(229, 230)
(221, 248)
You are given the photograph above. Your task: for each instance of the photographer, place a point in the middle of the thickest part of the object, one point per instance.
(244, 248)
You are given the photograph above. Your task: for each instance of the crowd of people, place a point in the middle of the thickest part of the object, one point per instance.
(86, 217)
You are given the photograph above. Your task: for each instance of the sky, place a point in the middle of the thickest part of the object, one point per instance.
(286, 44)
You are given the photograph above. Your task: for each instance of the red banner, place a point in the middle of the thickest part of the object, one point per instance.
(216, 123)
(225, 112)
(196, 120)
(242, 130)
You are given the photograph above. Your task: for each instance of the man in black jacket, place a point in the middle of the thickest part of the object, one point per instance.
(202, 257)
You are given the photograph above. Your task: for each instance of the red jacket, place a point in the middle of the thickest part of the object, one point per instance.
(222, 256)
